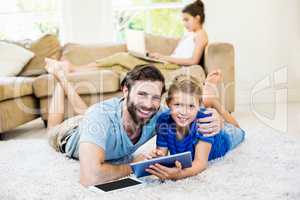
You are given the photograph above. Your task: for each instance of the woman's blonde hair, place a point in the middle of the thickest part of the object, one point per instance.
(186, 84)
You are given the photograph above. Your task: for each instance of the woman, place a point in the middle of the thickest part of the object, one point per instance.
(187, 53)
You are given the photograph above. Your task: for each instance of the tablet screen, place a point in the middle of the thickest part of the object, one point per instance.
(123, 183)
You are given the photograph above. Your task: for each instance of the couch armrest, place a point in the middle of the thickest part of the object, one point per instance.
(82, 54)
(161, 44)
(221, 55)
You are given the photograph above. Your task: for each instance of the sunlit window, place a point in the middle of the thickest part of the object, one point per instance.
(161, 17)
(28, 19)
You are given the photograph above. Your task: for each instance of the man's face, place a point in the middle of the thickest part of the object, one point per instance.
(143, 100)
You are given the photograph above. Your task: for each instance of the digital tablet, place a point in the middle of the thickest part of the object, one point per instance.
(139, 168)
(115, 185)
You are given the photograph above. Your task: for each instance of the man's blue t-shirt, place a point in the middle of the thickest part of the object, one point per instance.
(166, 137)
(102, 125)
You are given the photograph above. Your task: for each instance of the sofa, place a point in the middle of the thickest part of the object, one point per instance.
(27, 96)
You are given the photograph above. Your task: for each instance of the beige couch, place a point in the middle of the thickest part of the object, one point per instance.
(95, 86)
(18, 105)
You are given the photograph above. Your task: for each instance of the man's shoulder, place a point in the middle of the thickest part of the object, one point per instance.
(107, 106)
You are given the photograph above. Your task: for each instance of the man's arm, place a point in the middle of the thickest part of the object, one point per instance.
(94, 170)
(210, 126)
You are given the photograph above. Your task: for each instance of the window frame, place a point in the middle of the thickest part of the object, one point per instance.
(148, 6)
(39, 14)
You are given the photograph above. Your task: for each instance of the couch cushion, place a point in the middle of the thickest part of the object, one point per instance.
(47, 46)
(17, 111)
(69, 110)
(91, 82)
(196, 71)
(221, 55)
(79, 54)
(12, 87)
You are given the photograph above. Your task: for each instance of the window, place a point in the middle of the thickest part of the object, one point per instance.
(161, 17)
(28, 19)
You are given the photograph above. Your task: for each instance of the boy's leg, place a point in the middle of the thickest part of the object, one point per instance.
(211, 96)
(235, 135)
(228, 138)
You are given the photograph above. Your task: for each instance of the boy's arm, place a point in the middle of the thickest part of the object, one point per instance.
(200, 161)
(175, 173)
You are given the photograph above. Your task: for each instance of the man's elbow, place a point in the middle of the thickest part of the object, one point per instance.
(90, 177)
(87, 179)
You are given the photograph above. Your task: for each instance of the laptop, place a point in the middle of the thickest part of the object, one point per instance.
(135, 41)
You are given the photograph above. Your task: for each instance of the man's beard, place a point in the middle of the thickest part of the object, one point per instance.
(133, 109)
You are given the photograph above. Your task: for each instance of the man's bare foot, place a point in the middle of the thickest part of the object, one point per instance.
(55, 64)
(67, 65)
(55, 68)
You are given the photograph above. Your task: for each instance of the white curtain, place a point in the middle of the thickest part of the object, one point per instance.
(89, 21)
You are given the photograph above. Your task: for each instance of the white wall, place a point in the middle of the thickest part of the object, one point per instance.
(266, 36)
(89, 21)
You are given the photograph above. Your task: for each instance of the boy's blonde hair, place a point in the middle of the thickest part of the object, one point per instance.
(186, 84)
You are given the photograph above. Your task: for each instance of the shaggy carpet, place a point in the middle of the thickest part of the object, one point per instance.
(265, 166)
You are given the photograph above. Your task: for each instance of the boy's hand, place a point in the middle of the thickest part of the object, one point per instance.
(166, 173)
(155, 153)
(210, 126)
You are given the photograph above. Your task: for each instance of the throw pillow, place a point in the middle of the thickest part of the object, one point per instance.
(47, 46)
(13, 58)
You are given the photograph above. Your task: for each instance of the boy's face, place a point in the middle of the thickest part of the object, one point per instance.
(184, 108)
(143, 100)
(190, 22)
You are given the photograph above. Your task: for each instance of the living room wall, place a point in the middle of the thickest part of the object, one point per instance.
(265, 33)
(266, 36)
(86, 21)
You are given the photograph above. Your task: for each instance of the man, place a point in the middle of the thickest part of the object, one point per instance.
(111, 131)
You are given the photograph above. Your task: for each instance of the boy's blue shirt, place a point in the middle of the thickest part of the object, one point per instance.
(166, 137)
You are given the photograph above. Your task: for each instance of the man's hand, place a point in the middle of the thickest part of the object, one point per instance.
(210, 126)
(165, 173)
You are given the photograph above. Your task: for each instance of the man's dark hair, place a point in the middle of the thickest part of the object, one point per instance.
(147, 72)
(194, 9)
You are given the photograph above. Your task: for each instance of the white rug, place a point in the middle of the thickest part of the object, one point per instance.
(265, 166)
